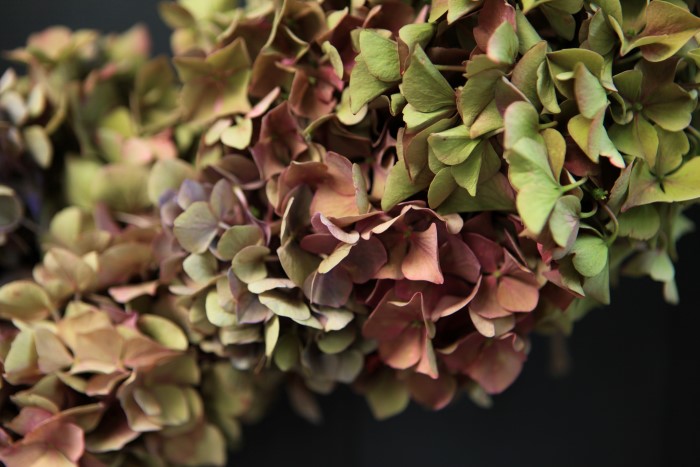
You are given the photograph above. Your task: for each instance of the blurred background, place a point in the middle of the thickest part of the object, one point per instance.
(629, 399)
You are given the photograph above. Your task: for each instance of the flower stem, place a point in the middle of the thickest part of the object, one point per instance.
(616, 224)
(544, 126)
(460, 68)
(694, 132)
(591, 213)
(574, 185)
(630, 58)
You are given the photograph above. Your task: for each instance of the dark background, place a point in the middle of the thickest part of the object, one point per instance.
(630, 399)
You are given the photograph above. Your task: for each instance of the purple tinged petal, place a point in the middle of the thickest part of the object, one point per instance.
(365, 260)
(332, 289)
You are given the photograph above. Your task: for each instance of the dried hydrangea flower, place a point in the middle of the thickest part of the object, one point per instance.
(389, 195)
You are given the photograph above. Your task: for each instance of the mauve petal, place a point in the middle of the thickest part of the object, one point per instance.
(458, 259)
(512, 247)
(365, 260)
(421, 263)
(466, 352)
(432, 393)
(330, 203)
(450, 297)
(486, 303)
(428, 364)
(525, 276)
(319, 244)
(332, 289)
(379, 291)
(515, 295)
(361, 220)
(279, 125)
(249, 310)
(492, 327)
(386, 225)
(481, 224)
(310, 173)
(398, 222)
(557, 296)
(396, 249)
(404, 290)
(511, 265)
(404, 350)
(28, 419)
(493, 13)
(391, 317)
(449, 304)
(314, 100)
(323, 224)
(497, 366)
(488, 252)
(66, 438)
(340, 174)
(264, 157)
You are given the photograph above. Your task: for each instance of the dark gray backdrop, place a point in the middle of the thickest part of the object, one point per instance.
(630, 400)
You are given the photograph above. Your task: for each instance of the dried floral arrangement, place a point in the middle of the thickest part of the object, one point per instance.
(387, 194)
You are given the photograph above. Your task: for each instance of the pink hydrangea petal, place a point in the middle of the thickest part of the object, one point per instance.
(28, 419)
(323, 224)
(494, 327)
(404, 350)
(390, 317)
(458, 259)
(396, 250)
(331, 203)
(320, 243)
(516, 295)
(432, 393)
(493, 13)
(421, 262)
(365, 260)
(428, 363)
(488, 252)
(464, 353)
(497, 366)
(486, 303)
(331, 289)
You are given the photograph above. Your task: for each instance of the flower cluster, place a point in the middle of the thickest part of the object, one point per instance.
(391, 195)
